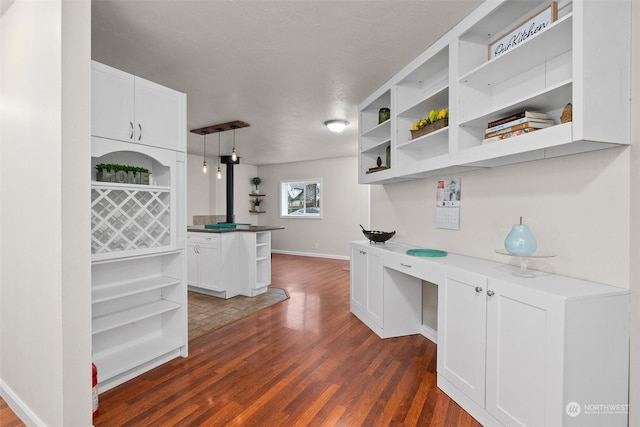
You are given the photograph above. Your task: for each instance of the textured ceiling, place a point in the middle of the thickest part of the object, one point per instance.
(285, 67)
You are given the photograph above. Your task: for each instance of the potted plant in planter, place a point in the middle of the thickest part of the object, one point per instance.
(256, 204)
(256, 181)
(111, 172)
(434, 121)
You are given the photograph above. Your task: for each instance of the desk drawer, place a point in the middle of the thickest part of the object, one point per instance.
(424, 269)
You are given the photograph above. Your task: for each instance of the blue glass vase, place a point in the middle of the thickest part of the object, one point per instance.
(520, 241)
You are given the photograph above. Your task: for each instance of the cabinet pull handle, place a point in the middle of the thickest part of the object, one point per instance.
(405, 265)
(490, 293)
(478, 289)
(363, 252)
(131, 136)
(140, 135)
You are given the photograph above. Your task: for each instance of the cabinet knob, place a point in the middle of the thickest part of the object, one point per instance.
(478, 289)
(490, 293)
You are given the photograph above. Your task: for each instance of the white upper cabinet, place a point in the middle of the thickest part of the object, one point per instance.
(582, 58)
(132, 109)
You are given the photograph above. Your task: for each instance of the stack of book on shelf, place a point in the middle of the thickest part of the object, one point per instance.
(516, 124)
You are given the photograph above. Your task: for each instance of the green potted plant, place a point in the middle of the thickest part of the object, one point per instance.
(256, 204)
(112, 172)
(256, 181)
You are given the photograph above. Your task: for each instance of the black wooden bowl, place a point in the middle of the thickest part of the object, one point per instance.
(378, 236)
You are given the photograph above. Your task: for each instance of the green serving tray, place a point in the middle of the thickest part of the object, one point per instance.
(426, 252)
(219, 226)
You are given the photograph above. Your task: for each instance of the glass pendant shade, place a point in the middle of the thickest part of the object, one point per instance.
(520, 241)
(204, 154)
(219, 171)
(204, 166)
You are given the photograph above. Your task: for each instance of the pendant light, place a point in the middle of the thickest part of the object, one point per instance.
(219, 171)
(204, 153)
(234, 154)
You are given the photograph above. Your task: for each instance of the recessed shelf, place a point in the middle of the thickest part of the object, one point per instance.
(131, 315)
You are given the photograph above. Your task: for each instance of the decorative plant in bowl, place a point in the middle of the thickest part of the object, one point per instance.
(112, 172)
(256, 181)
(256, 204)
(431, 123)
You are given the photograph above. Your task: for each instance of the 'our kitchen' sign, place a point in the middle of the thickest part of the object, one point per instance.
(523, 31)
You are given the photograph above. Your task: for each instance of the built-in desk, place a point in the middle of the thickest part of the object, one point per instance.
(511, 350)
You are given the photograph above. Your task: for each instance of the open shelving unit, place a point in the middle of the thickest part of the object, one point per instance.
(138, 274)
(570, 61)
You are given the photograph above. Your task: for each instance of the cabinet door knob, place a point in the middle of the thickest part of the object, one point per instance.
(490, 293)
(131, 136)
(478, 289)
(140, 135)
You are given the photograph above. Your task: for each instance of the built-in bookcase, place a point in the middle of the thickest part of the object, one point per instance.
(571, 61)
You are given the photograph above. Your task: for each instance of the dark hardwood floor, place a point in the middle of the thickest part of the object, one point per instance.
(303, 362)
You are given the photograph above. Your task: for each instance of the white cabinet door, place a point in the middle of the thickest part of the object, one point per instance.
(461, 332)
(375, 289)
(524, 356)
(209, 267)
(358, 279)
(112, 105)
(367, 290)
(192, 265)
(158, 113)
(132, 109)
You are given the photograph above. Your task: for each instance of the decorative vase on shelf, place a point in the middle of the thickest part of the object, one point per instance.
(383, 115)
(520, 241)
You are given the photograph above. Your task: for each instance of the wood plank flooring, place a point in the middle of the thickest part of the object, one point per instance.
(304, 362)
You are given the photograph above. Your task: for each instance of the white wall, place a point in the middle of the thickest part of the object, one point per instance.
(45, 302)
(206, 195)
(344, 206)
(634, 282)
(576, 206)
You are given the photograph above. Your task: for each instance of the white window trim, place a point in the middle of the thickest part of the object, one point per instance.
(283, 199)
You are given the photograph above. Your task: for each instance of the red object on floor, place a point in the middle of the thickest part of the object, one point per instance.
(95, 389)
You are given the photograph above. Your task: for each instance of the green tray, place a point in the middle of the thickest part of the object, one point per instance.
(219, 226)
(426, 252)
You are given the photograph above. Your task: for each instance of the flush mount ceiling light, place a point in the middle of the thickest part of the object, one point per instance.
(336, 126)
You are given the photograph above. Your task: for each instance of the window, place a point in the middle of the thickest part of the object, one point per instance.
(300, 199)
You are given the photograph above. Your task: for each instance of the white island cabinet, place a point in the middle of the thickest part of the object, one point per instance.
(138, 275)
(230, 262)
(512, 351)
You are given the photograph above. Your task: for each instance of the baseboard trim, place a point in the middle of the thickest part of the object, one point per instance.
(18, 406)
(429, 333)
(311, 254)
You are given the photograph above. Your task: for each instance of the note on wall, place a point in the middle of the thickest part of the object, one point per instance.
(448, 194)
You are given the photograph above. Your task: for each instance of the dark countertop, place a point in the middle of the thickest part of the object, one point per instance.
(239, 227)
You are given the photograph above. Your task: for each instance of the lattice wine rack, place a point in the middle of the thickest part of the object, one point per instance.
(129, 218)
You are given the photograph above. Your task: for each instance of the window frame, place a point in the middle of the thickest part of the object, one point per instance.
(284, 200)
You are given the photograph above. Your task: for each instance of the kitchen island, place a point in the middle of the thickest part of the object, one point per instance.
(225, 262)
